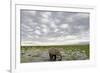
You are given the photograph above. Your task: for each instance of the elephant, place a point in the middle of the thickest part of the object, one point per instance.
(55, 54)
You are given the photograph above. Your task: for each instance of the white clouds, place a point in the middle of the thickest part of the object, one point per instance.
(37, 27)
(46, 14)
(32, 12)
(45, 17)
(70, 19)
(55, 27)
(25, 26)
(56, 30)
(44, 20)
(37, 32)
(71, 37)
(63, 38)
(43, 26)
(57, 20)
(77, 16)
(84, 15)
(64, 26)
(45, 30)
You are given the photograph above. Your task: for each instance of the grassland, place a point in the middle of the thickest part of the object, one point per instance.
(40, 53)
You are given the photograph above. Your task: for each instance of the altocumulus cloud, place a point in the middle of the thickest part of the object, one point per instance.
(54, 27)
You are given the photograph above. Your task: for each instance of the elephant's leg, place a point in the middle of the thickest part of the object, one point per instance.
(51, 57)
(60, 58)
(54, 57)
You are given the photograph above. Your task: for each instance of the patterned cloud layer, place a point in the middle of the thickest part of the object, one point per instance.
(54, 26)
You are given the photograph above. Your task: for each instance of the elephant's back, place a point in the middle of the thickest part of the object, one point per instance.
(53, 51)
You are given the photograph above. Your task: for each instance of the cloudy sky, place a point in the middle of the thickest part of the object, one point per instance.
(54, 27)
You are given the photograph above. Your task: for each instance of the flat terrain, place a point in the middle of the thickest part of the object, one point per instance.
(40, 53)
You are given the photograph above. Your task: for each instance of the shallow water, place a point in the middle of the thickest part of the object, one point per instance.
(41, 55)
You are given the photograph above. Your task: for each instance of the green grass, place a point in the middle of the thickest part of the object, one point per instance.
(70, 52)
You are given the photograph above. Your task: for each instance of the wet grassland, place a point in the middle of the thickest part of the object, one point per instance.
(68, 52)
